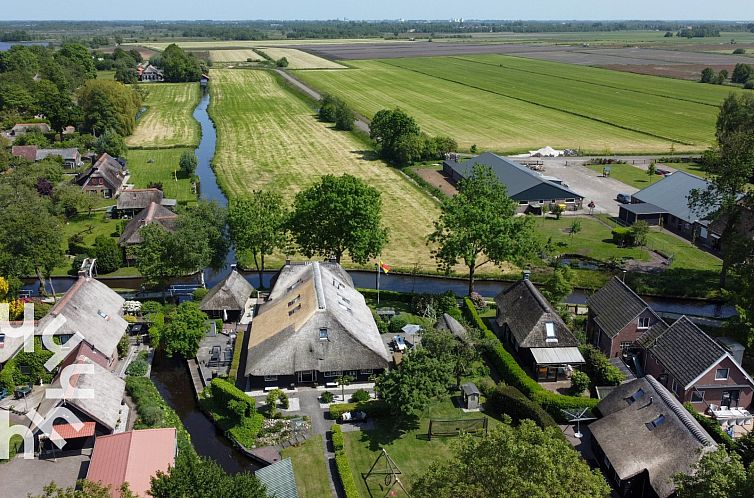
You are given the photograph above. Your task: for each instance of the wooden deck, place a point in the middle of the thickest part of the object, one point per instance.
(196, 377)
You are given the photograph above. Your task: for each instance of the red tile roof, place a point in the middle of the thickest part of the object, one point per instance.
(67, 431)
(132, 457)
(28, 152)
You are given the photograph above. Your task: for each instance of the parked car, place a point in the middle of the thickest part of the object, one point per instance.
(353, 417)
(624, 198)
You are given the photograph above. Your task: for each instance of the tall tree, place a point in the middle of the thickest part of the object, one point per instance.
(718, 474)
(183, 329)
(479, 225)
(339, 214)
(257, 226)
(397, 135)
(188, 163)
(729, 168)
(179, 66)
(108, 105)
(521, 461)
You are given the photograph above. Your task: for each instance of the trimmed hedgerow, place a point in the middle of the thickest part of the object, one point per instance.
(512, 373)
(345, 475)
(338, 443)
(511, 401)
(233, 411)
(375, 408)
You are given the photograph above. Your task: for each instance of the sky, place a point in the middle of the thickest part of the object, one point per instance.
(383, 9)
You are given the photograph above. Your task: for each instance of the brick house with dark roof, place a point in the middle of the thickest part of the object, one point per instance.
(617, 318)
(694, 366)
(528, 324)
(106, 178)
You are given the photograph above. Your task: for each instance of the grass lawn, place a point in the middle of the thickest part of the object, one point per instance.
(105, 75)
(268, 137)
(310, 468)
(411, 450)
(542, 102)
(164, 162)
(594, 240)
(168, 121)
(90, 227)
(691, 168)
(628, 174)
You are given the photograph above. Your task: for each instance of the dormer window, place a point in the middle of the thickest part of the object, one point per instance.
(294, 300)
(291, 312)
(103, 314)
(323, 335)
(635, 397)
(656, 422)
(550, 331)
(644, 322)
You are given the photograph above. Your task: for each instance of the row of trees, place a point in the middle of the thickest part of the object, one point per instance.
(401, 142)
(334, 110)
(337, 215)
(742, 74)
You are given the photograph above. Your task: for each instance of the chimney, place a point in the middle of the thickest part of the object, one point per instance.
(527, 274)
(651, 398)
(287, 261)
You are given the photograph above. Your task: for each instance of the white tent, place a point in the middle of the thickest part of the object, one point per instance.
(546, 152)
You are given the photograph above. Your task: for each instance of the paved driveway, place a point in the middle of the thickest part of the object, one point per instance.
(588, 183)
(21, 477)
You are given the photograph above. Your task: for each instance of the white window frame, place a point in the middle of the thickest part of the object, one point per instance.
(366, 371)
(624, 345)
(333, 373)
(674, 387)
(644, 319)
(324, 335)
(717, 374)
(270, 378)
(697, 393)
(570, 201)
(523, 203)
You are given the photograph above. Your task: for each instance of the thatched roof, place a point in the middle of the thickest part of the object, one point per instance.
(92, 309)
(104, 407)
(229, 294)
(154, 213)
(139, 198)
(631, 442)
(528, 316)
(615, 305)
(447, 322)
(307, 299)
(107, 168)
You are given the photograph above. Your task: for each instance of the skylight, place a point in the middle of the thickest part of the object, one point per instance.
(635, 397)
(550, 330)
(656, 422)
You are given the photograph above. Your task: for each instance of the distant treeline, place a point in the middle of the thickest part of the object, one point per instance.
(99, 33)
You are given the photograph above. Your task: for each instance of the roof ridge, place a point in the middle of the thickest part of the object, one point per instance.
(683, 415)
(67, 296)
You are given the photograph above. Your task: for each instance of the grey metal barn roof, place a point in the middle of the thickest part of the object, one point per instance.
(643, 208)
(632, 444)
(278, 479)
(229, 294)
(517, 178)
(557, 356)
(671, 194)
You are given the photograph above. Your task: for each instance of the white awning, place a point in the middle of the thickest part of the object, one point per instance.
(557, 356)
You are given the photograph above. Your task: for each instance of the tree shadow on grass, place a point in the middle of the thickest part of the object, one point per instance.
(388, 430)
(366, 155)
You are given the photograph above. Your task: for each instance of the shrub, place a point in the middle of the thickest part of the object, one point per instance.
(739, 51)
(381, 324)
(223, 392)
(479, 302)
(123, 346)
(137, 368)
(199, 293)
(512, 373)
(373, 409)
(337, 438)
(397, 323)
(327, 397)
(284, 402)
(623, 236)
(76, 245)
(151, 415)
(511, 401)
(281, 62)
(599, 368)
(359, 396)
(749, 85)
(579, 382)
(346, 476)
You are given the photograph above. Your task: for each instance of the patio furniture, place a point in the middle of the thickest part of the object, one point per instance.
(400, 343)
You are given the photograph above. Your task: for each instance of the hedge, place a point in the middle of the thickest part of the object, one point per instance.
(218, 400)
(344, 470)
(712, 426)
(511, 401)
(375, 408)
(512, 373)
(236, 360)
(338, 443)
(224, 392)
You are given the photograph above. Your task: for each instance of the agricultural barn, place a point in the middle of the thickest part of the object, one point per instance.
(531, 190)
(314, 327)
(666, 203)
(71, 157)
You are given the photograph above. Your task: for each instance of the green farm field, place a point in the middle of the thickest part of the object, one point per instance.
(168, 121)
(510, 104)
(269, 137)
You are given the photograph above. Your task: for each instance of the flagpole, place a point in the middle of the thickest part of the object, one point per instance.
(378, 283)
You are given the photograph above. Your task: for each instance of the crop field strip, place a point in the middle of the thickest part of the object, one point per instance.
(656, 116)
(269, 137)
(298, 59)
(473, 116)
(168, 121)
(234, 55)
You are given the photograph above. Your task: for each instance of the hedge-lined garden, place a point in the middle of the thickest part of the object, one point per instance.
(343, 465)
(512, 373)
(154, 412)
(233, 411)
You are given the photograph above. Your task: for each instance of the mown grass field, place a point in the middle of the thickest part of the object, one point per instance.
(298, 59)
(159, 165)
(526, 104)
(168, 121)
(268, 137)
(310, 467)
(234, 55)
(628, 174)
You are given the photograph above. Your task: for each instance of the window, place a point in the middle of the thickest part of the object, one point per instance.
(635, 397)
(366, 371)
(291, 312)
(721, 374)
(656, 422)
(523, 203)
(294, 300)
(550, 331)
(102, 314)
(2, 340)
(270, 378)
(323, 335)
(644, 322)
(624, 346)
(675, 387)
(333, 373)
(352, 373)
(697, 396)
(570, 201)
(541, 201)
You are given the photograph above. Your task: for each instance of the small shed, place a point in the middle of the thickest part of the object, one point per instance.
(470, 396)
(643, 211)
